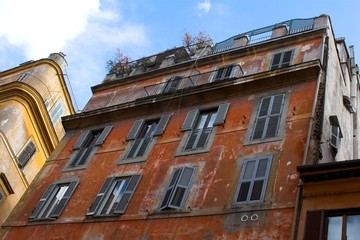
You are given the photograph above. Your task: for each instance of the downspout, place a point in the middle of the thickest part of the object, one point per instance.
(298, 201)
(13, 158)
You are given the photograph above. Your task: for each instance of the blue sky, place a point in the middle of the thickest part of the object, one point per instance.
(90, 31)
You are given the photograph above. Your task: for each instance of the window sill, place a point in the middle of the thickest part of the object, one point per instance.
(131, 160)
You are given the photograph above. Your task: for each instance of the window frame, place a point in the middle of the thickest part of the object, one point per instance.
(56, 113)
(27, 152)
(254, 118)
(223, 76)
(107, 189)
(188, 127)
(5, 185)
(253, 179)
(81, 148)
(41, 211)
(281, 63)
(334, 124)
(173, 187)
(135, 131)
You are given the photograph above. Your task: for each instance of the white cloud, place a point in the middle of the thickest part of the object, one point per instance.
(204, 6)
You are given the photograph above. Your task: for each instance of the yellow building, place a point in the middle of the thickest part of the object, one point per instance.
(33, 98)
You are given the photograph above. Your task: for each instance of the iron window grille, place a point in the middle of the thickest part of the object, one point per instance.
(178, 189)
(253, 180)
(114, 196)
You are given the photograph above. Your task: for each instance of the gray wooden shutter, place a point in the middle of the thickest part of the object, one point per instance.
(286, 58)
(134, 131)
(134, 181)
(181, 188)
(170, 188)
(190, 120)
(42, 201)
(103, 135)
(260, 121)
(276, 61)
(26, 154)
(81, 139)
(164, 120)
(274, 116)
(65, 199)
(100, 196)
(314, 225)
(221, 114)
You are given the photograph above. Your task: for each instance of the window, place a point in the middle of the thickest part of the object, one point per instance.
(172, 84)
(177, 191)
(335, 134)
(268, 117)
(332, 224)
(54, 200)
(86, 145)
(56, 113)
(253, 180)
(200, 124)
(282, 59)
(26, 154)
(142, 134)
(223, 73)
(114, 195)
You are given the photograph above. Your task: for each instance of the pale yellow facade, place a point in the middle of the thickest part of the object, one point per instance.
(33, 98)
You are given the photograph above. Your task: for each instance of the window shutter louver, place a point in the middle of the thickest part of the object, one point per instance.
(276, 61)
(26, 154)
(59, 208)
(81, 139)
(221, 114)
(314, 225)
(120, 208)
(190, 120)
(134, 131)
(164, 120)
(103, 135)
(43, 199)
(286, 58)
(100, 196)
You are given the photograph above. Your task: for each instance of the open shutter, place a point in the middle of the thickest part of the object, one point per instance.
(164, 120)
(276, 61)
(65, 199)
(190, 120)
(103, 135)
(170, 188)
(286, 58)
(181, 188)
(314, 225)
(135, 129)
(120, 208)
(43, 199)
(81, 139)
(221, 114)
(99, 197)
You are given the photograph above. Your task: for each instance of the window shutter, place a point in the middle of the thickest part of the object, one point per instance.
(120, 208)
(99, 197)
(275, 114)
(181, 188)
(81, 139)
(103, 135)
(79, 155)
(260, 121)
(170, 189)
(221, 114)
(164, 120)
(286, 58)
(314, 225)
(134, 131)
(65, 199)
(228, 72)
(190, 120)
(276, 61)
(43, 199)
(27, 153)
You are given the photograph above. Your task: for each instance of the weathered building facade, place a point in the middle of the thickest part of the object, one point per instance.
(200, 146)
(33, 97)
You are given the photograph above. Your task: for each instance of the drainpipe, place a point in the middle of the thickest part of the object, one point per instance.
(13, 158)
(354, 71)
(298, 201)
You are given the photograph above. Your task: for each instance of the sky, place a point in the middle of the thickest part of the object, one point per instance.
(89, 32)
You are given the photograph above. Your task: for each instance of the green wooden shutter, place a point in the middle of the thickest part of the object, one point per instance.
(134, 181)
(59, 208)
(100, 196)
(190, 120)
(135, 129)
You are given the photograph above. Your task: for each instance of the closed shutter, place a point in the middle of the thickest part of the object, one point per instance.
(120, 208)
(221, 114)
(276, 61)
(65, 199)
(99, 197)
(81, 139)
(181, 188)
(164, 120)
(103, 135)
(228, 72)
(261, 118)
(26, 154)
(314, 225)
(190, 120)
(135, 129)
(42, 201)
(275, 114)
(286, 59)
